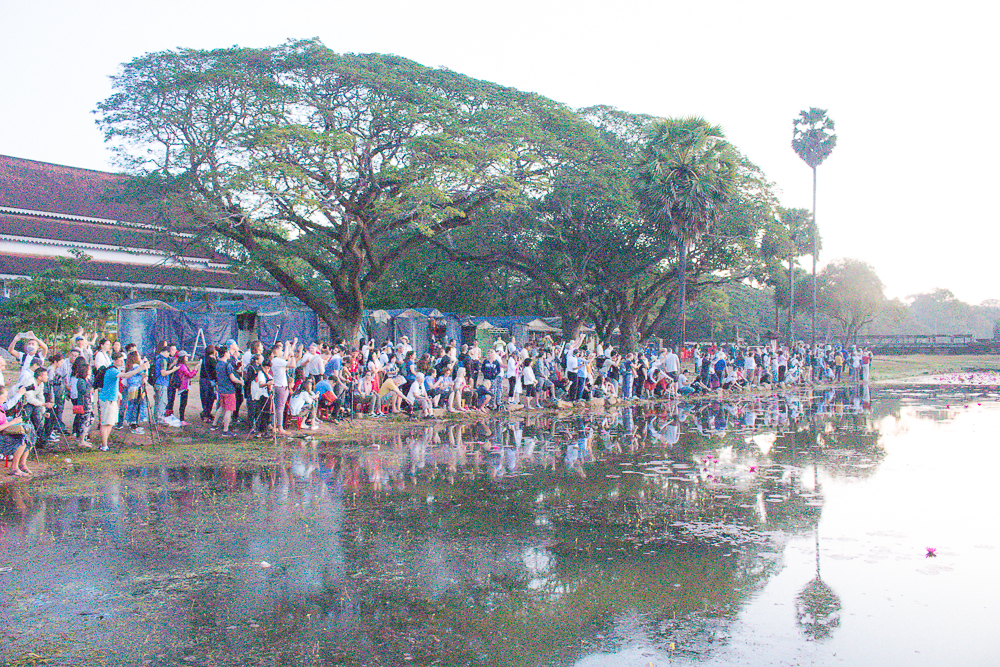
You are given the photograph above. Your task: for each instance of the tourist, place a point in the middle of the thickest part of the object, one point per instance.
(81, 395)
(135, 397)
(185, 373)
(261, 386)
(12, 440)
(110, 395)
(302, 405)
(163, 369)
(32, 348)
(417, 395)
(227, 379)
(282, 357)
(206, 382)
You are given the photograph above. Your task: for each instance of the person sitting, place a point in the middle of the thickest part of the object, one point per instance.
(417, 395)
(12, 441)
(302, 405)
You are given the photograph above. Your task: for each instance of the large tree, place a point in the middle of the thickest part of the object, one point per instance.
(325, 169)
(813, 140)
(685, 178)
(852, 294)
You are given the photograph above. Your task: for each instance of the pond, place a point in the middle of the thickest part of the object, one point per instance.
(847, 527)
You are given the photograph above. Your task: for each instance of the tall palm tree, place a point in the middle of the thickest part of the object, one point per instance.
(685, 177)
(813, 140)
(796, 224)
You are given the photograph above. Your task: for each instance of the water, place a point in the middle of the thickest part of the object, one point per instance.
(790, 531)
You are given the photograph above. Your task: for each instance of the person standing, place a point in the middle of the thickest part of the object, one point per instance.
(185, 373)
(228, 379)
(281, 357)
(161, 389)
(206, 383)
(109, 395)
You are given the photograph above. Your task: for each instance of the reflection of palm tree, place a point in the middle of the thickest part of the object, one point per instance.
(817, 607)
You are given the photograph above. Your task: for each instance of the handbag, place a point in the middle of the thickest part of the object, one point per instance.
(77, 409)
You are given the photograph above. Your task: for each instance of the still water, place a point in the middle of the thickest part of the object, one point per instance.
(790, 530)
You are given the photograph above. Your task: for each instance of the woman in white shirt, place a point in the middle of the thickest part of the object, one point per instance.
(281, 358)
(303, 405)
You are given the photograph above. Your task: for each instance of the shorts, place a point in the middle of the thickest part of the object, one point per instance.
(109, 413)
(228, 401)
(329, 397)
(529, 391)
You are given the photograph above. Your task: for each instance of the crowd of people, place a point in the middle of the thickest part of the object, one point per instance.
(296, 385)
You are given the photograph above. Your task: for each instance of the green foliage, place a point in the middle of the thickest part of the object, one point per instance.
(325, 169)
(54, 302)
(812, 136)
(685, 177)
(851, 293)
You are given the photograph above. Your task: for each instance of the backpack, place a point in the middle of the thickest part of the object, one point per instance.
(153, 371)
(175, 380)
(99, 377)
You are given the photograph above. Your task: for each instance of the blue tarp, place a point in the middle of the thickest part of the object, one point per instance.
(286, 325)
(182, 328)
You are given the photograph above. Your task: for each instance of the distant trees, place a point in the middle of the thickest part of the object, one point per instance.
(852, 294)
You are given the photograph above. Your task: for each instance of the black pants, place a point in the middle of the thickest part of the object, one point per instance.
(258, 413)
(184, 403)
(207, 393)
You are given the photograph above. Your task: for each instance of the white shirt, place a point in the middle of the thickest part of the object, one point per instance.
(528, 376)
(316, 365)
(279, 368)
(101, 360)
(671, 362)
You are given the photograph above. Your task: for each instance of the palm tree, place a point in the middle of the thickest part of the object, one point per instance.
(686, 175)
(796, 223)
(813, 140)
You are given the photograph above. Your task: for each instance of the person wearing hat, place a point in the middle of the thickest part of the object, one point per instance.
(32, 348)
(404, 343)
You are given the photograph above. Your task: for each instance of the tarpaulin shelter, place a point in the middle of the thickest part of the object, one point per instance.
(195, 324)
(414, 325)
(447, 326)
(479, 332)
(377, 325)
(516, 327)
(137, 324)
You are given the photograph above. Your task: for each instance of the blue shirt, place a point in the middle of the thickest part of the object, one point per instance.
(332, 366)
(161, 365)
(109, 390)
(225, 383)
(323, 386)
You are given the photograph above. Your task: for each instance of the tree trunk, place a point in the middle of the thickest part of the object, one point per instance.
(682, 293)
(571, 326)
(791, 301)
(815, 249)
(627, 339)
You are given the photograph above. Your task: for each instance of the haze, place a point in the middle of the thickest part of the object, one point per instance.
(908, 84)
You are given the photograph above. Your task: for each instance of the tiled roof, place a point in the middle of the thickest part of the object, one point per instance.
(118, 236)
(134, 274)
(42, 186)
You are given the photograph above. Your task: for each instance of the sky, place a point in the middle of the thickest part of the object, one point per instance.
(911, 87)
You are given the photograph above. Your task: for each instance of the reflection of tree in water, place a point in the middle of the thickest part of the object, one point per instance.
(447, 558)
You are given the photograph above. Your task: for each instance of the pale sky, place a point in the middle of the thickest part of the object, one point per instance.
(912, 87)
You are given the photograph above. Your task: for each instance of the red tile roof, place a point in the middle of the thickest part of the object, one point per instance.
(42, 186)
(136, 274)
(118, 236)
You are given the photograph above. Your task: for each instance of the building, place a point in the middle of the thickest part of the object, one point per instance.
(48, 210)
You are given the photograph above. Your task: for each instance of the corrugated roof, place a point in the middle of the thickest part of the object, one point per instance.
(117, 236)
(136, 274)
(43, 186)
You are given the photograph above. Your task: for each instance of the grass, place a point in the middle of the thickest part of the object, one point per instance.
(915, 365)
